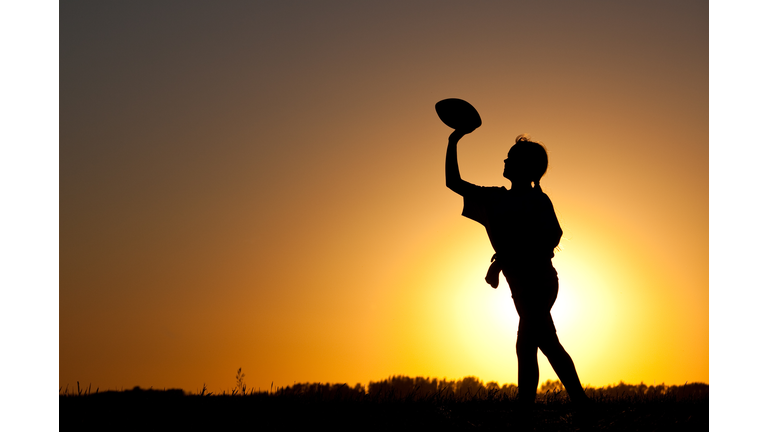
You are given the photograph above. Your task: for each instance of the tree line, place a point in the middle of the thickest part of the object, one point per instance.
(401, 386)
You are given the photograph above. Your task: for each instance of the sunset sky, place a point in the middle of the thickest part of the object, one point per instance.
(260, 185)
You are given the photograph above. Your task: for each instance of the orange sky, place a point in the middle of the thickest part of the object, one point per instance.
(261, 186)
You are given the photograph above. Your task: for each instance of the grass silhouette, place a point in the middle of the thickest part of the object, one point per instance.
(398, 402)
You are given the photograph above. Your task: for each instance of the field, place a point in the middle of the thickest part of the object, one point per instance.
(398, 403)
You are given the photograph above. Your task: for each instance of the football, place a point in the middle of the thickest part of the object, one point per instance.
(458, 114)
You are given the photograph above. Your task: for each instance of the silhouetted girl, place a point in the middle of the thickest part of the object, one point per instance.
(524, 232)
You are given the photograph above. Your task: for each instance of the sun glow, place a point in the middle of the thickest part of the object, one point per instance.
(453, 324)
(457, 325)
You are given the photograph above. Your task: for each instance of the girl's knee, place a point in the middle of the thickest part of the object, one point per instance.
(552, 346)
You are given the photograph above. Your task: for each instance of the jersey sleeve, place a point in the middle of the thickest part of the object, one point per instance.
(476, 203)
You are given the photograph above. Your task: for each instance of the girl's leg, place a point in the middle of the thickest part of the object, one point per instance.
(532, 305)
(564, 368)
(527, 368)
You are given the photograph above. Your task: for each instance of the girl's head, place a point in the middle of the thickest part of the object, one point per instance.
(526, 162)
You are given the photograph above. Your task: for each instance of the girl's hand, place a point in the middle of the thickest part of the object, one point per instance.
(456, 136)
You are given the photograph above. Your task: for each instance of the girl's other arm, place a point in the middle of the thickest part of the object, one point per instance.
(554, 229)
(452, 175)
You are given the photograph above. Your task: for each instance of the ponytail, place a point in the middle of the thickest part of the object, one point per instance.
(537, 186)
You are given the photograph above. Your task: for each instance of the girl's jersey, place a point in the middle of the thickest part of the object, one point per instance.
(522, 226)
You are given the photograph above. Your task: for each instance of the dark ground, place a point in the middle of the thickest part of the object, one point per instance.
(173, 410)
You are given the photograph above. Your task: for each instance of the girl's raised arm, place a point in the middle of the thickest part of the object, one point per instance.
(452, 175)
